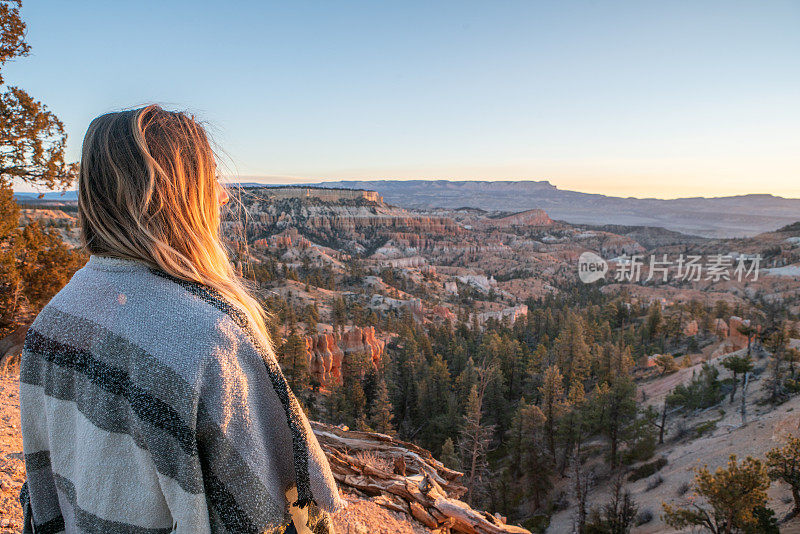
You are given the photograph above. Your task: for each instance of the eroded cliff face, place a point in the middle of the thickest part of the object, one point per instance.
(336, 221)
(333, 195)
(730, 335)
(326, 352)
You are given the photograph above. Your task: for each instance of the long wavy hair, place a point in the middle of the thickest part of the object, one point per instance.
(147, 191)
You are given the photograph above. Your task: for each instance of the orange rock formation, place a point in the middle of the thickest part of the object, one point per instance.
(327, 351)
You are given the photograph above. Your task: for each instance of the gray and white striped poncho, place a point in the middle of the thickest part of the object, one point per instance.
(148, 406)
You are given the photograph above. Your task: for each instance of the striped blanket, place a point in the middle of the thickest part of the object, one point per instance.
(148, 406)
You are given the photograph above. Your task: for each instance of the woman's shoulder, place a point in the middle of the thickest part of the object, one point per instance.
(119, 289)
(174, 320)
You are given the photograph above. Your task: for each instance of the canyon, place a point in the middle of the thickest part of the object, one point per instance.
(361, 279)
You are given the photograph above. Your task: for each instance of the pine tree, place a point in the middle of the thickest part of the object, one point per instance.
(783, 463)
(311, 318)
(552, 395)
(406, 388)
(448, 455)
(293, 358)
(737, 365)
(528, 460)
(777, 343)
(654, 323)
(572, 425)
(572, 351)
(32, 139)
(475, 437)
(733, 494)
(435, 402)
(615, 412)
(380, 417)
(32, 142)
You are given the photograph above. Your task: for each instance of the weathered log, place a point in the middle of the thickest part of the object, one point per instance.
(416, 459)
(473, 522)
(426, 490)
(422, 515)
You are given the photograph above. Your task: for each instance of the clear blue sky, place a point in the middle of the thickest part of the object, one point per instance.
(633, 98)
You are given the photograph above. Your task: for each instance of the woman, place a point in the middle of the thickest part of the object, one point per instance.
(151, 398)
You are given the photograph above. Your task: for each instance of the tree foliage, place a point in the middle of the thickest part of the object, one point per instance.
(34, 262)
(730, 497)
(32, 139)
(702, 391)
(783, 463)
(617, 515)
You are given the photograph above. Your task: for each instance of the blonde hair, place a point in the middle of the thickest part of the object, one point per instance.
(147, 191)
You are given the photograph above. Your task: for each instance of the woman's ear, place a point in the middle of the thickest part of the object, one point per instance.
(222, 194)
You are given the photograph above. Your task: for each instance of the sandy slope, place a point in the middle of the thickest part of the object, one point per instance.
(766, 429)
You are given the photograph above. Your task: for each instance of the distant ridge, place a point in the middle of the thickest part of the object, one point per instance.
(256, 185)
(731, 216)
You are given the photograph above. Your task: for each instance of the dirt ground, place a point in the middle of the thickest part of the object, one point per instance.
(366, 517)
(12, 465)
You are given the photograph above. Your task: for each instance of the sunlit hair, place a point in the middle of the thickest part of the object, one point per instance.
(147, 191)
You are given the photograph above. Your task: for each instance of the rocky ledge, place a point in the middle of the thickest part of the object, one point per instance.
(406, 479)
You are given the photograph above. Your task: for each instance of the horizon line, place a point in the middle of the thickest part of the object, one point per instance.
(299, 180)
(290, 180)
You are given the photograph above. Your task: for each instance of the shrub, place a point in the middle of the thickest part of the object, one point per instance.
(681, 431)
(371, 459)
(705, 427)
(617, 515)
(646, 470)
(792, 386)
(643, 517)
(702, 391)
(654, 482)
(666, 364)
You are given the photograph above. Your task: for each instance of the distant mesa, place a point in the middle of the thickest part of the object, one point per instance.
(732, 216)
(534, 217)
(317, 193)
